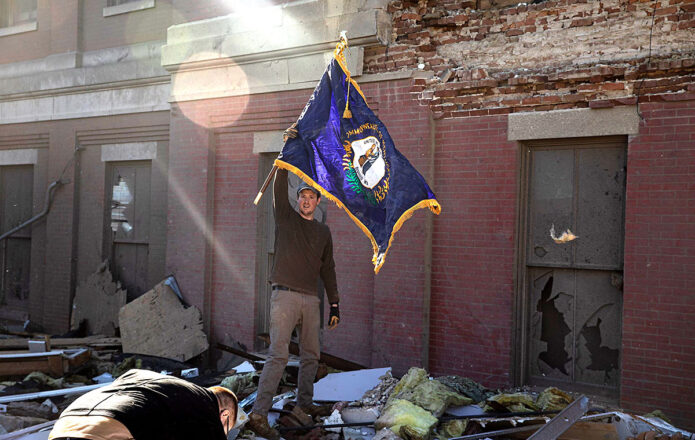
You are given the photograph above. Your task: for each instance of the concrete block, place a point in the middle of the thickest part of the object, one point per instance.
(56, 80)
(253, 19)
(108, 73)
(573, 123)
(197, 30)
(311, 67)
(267, 141)
(261, 74)
(340, 7)
(129, 151)
(23, 156)
(150, 68)
(26, 110)
(215, 39)
(304, 12)
(139, 99)
(80, 104)
(190, 51)
(62, 61)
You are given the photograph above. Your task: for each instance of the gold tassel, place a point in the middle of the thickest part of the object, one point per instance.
(347, 114)
(340, 56)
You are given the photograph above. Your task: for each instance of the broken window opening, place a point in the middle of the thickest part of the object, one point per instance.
(121, 199)
(554, 329)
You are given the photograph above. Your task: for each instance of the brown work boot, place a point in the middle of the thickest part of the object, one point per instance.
(259, 425)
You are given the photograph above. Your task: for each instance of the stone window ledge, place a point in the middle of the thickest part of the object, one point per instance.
(18, 29)
(124, 8)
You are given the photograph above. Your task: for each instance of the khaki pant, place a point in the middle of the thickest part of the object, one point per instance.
(290, 309)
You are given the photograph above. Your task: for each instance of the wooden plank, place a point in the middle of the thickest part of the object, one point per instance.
(91, 341)
(49, 363)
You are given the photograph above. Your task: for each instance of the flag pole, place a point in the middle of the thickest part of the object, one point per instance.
(265, 184)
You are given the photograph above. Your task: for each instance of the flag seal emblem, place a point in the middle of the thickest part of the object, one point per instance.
(367, 169)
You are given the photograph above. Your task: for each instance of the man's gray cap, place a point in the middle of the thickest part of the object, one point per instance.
(302, 186)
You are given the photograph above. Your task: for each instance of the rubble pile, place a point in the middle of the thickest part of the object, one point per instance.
(42, 375)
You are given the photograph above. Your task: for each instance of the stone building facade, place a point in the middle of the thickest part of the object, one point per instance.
(161, 118)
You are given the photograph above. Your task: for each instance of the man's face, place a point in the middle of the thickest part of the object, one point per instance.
(307, 202)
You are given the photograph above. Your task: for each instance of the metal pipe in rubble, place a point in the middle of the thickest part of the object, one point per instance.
(445, 418)
(47, 205)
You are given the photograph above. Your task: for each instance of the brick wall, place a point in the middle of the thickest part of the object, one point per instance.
(382, 316)
(659, 300)
(473, 289)
(550, 55)
(99, 32)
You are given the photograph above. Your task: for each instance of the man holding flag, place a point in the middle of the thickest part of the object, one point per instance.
(303, 253)
(342, 151)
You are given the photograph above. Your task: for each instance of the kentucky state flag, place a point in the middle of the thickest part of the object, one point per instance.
(346, 152)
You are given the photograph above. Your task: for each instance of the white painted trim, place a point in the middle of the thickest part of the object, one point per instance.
(267, 141)
(128, 7)
(19, 29)
(129, 151)
(23, 156)
(583, 122)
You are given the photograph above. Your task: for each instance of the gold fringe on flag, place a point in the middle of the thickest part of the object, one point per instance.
(379, 257)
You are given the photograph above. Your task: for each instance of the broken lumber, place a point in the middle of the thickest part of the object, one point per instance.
(330, 360)
(90, 341)
(55, 363)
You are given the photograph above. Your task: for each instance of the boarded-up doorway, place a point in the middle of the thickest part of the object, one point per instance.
(128, 223)
(572, 291)
(266, 240)
(16, 189)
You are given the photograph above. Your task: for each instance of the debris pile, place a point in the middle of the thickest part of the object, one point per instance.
(43, 375)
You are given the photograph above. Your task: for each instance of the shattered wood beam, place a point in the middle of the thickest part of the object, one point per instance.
(328, 359)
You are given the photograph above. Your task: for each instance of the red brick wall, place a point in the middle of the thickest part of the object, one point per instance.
(99, 32)
(550, 55)
(473, 289)
(382, 316)
(399, 286)
(658, 359)
(29, 45)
